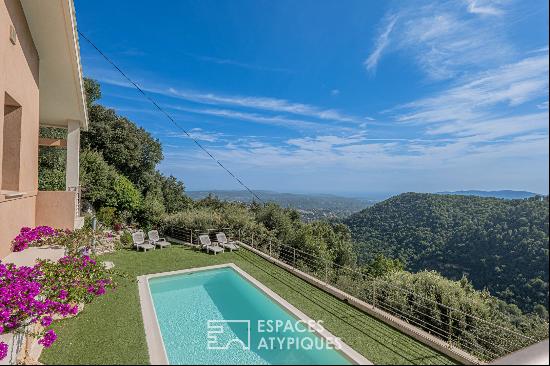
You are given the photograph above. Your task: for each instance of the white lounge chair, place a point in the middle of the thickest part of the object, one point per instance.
(227, 244)
(208, 245)
(154, 239)
(139, 241)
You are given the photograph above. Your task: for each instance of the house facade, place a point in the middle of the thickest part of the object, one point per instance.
(40, 85)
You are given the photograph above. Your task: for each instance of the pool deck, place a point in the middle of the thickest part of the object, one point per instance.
(30, 256)
(157, 351)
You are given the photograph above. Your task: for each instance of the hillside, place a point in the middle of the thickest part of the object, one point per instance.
(310, 206)
(507, 194)
(501, 245)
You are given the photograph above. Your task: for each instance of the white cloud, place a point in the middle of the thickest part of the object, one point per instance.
(443, 39)
(196, 133)
(262, 103)
(277, 120)
(381, 43)
(245, 65)
(475, 98)
(484, 7)
(491, 129)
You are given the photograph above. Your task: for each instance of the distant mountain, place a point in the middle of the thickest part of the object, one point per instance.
(310, 206)
(501, 245)
(507, 194)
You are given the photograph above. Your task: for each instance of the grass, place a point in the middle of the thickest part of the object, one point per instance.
(110, 330)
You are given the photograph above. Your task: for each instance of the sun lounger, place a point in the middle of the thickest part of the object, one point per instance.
(139, 241)
(154, 239)
(227, 244)
(208, 245)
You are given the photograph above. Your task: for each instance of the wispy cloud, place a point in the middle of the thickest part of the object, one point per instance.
(381, 43)
(244, 65)
(197, 134)
(262, 103)
(484, 7)
(442, 39)
(476, 97)
(281, 121)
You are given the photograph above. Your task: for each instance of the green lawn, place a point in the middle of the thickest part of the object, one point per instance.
(110, 330)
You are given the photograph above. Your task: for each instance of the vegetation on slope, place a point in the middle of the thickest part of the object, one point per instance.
(501, 245)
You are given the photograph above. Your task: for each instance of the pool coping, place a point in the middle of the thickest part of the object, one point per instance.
(155, 344)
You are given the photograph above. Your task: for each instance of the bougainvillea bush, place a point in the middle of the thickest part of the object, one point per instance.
(75, 279)
(74, 241)
(40, 235)
(48, 290)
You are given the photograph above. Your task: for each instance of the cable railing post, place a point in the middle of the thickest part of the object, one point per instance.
(326, 272)
(270, 248)
(191, 236)
(294, 259)
(373, 294)
(253, 239)
(450, 340)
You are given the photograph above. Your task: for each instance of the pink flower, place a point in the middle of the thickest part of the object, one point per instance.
(46, 321)
(48, 338)
(3, 350)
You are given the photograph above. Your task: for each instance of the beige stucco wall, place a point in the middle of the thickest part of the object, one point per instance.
(56, 209)
(15, 214)
(19, 78)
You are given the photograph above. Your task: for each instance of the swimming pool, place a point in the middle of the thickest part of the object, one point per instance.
(221, 315)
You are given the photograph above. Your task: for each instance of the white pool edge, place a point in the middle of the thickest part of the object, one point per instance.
(155, 344)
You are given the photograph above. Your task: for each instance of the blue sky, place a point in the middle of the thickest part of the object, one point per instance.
(344, 97)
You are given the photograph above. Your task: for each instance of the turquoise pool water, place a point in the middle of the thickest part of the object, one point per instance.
(185, 304)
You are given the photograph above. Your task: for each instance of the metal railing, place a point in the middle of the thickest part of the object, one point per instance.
(458, 328)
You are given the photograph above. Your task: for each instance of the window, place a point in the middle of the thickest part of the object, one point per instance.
(11, 144)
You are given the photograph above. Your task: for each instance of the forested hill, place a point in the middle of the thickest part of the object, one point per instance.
(499, 244)
(508, 194)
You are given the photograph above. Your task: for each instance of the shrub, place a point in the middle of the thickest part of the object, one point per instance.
(124, 195)
(126, 240)
(151, 211)
(106, 215)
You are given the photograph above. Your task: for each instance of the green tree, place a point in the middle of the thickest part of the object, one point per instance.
(51, 161)
(96, 178)
(173, 192)
(124, 195)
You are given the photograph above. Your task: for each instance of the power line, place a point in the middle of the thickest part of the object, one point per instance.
(170, 117)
